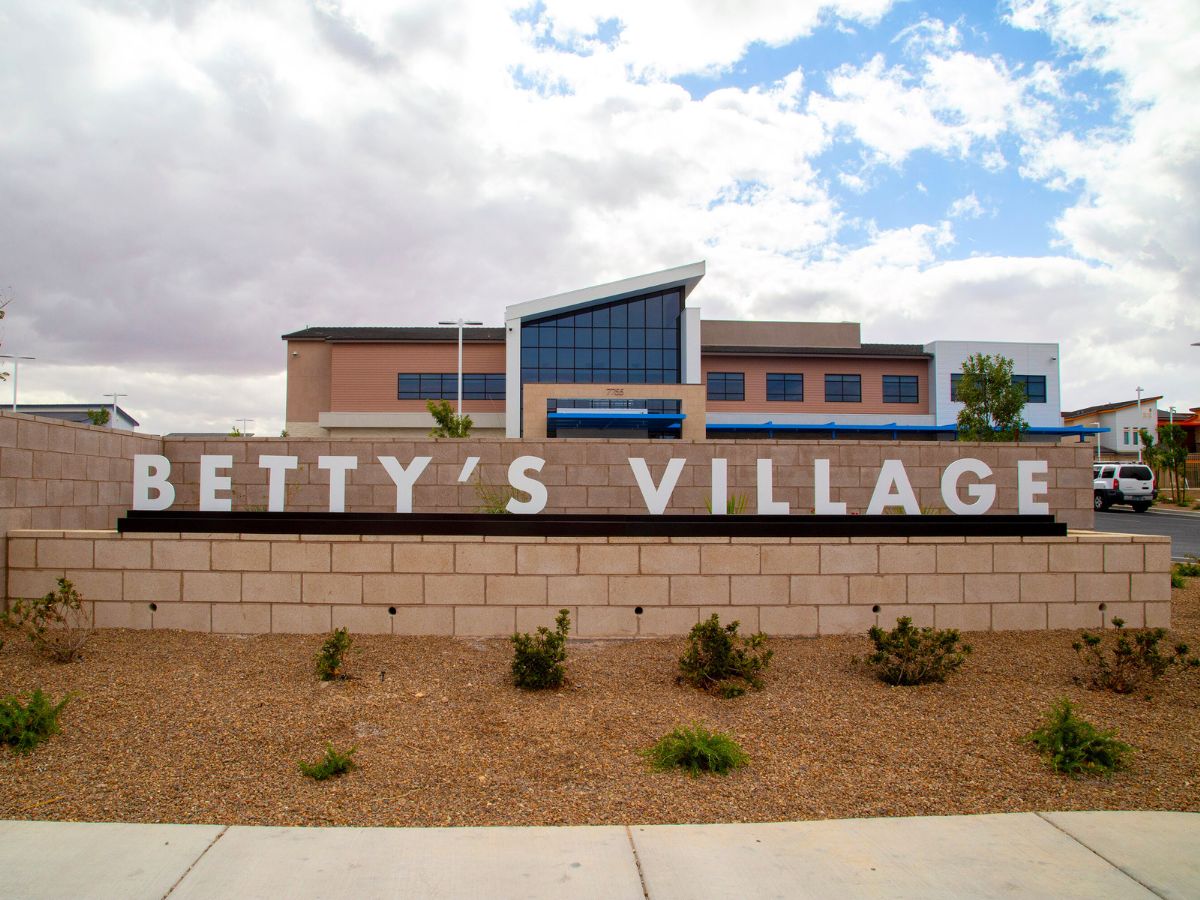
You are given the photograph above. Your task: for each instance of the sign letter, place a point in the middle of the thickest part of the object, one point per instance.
(211, 482)
(656, 498)
(404, 478)
(822, 504)
(337, 466)
(767, 504)
(531, 486)
(1027, 488)
(892, 488)
(984, 494)
(719, 504)
(276, 466)
(150, 473)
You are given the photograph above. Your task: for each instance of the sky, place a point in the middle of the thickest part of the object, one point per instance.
(183, 181)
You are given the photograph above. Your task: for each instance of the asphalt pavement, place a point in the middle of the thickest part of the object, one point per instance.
(1183, 528)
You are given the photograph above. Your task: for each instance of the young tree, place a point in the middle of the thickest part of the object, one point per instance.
(448, 425)
(1167, 457)
(99, 416)
(992, 404)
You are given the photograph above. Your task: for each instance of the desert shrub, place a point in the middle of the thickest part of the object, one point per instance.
(1177, 579)
(57, 625)
(493, 499)
(718, 659)
(1074, 746)
(25, 725)
(1127, 660)
(447, 423)
(332, 764)
(331, 658)
(1190, 569)
(538, 658)
(734, 505)
(697, 750)
(909, 655)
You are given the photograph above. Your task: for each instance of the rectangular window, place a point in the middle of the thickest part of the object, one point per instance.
(444, 386)
(954, 380)
(1035, 387)
(726, 386)
(843, 389)
(899, 388)
(785, 386)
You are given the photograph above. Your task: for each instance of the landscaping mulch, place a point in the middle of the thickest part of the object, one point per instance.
(179, 727)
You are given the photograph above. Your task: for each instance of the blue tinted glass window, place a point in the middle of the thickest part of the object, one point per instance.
(785, 387)
(843, 389)
(1035, 387)
(444, 385)
(955, 378)
(637, 314)
(726, 385)
(900, 389)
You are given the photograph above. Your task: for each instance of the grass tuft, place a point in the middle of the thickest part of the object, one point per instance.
(1074, 746)
(331, 765)
(697, 751)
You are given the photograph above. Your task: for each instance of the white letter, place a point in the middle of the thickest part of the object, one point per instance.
(337, 466)
(985, 494)
(276, 466)
(767, 505)
(404, 478)
(150, 473)
(892, 475)
(822, 505)
(522, 482)
(1027, 488)
(656, 498)
(210, 483)
(720, 487)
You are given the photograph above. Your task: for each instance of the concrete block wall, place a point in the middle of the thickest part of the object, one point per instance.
(594, 476)
(615, 587)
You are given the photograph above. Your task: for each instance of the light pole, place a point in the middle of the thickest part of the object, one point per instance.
(1137, 434)
(113, 422)
(460, 323)
(16, 364)
(1096, 425)
(245, 426)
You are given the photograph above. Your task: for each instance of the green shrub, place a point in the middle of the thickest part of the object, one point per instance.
(718, 659)
(332, 764)
(734, 506)
(908, 655)
(1189, 569)
(1074, 746)
(493, 499)
(538, 658)
(1129, 659)
(448, 424)
(331, 656)
(1177, 579)
(25, 725)
(697, 750)
(57, 625)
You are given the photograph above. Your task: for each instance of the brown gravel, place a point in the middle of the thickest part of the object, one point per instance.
(178, 727)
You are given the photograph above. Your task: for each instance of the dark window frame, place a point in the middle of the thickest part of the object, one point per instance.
(725, 382)
(844, 379)
(788, 387)
(444, 386)
(1032, 381)
(901, 389)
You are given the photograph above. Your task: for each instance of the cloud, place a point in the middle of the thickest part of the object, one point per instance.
(967, 207)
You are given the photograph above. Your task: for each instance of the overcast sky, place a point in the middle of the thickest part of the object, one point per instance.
(184, 181)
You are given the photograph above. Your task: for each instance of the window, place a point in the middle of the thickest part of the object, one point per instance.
(726, 386)
(444, 386)
(1035, 387)
(785, 386)
(899, 388)
(954, 380)
(843, 389)
(632, 341)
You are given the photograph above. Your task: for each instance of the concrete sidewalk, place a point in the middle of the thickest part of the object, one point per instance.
(1059, 855)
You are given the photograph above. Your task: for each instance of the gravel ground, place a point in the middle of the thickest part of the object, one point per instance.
(179, 727)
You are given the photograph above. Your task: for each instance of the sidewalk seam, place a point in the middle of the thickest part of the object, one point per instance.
(1097, 853)
(220, 834)
(637, 862)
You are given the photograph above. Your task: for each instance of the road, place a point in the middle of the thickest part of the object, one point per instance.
(1183, 529)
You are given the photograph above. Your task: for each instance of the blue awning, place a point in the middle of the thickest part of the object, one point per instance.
(615, 419)
(835, 427)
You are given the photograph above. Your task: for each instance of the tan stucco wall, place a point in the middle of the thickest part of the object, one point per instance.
(733, 333)
(309, 377)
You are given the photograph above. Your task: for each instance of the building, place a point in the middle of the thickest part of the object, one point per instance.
(1124, 421)
(633, 358)
(1189, 421)
(77, 412)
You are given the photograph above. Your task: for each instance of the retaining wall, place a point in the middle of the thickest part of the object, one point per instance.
(614, 587)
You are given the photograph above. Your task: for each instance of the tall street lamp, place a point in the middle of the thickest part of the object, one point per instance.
(16, 364)
(113, 421)
(1137, 435)
(460, 323)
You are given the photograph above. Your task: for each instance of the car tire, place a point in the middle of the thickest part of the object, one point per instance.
(1140, 507)
(1099, 504)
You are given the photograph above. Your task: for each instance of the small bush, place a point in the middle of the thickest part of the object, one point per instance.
(331, 656)
(734, 506)
(57, 625)
(697, 750)
(1130, 659)
(25, 725)
(1177, 579)
(332, 764)
(1189, 569)
(493, 499)
(718, 659)
(907, 655)
(1074, 746)
(538, 658)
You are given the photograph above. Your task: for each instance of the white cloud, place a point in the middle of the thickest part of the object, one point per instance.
(967, 207)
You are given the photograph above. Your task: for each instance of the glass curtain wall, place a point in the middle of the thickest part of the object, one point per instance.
(633, 341)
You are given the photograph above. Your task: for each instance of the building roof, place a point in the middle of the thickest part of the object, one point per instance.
(391, 333)
(684, 277)
(910, 350)
(70, 412)
(1106, 407)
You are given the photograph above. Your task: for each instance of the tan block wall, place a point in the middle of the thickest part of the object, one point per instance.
(593, 476)
(614, 587)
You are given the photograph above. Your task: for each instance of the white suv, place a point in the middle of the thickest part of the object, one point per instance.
(1128, 483)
